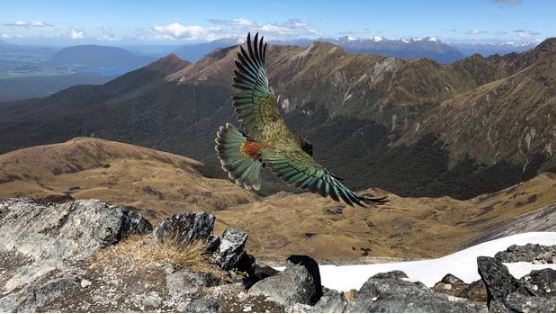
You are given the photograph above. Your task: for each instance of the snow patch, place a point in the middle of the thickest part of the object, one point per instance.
(462, 264)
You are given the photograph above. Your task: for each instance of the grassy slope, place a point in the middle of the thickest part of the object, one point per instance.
(117, 173)
(285, 223)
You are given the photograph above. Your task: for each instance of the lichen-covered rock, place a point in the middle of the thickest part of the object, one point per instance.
(330, 302)
(517, 302)
(476, 291)
(231, 248)
(391, 292)
(184, 282)
(540, 283)
(32, 298)
(185, 227)
(535, 253)
(313, 268)
(212, 243)
(205, 304)
(499, 282)
(52, 234)
(294, 285)
(451, 285)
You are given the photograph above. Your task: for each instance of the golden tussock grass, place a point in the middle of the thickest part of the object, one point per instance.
(144, 251)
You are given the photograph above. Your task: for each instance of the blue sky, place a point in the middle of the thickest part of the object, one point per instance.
(175, 22)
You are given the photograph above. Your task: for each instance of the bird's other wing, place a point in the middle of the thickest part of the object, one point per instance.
(298, 168)
(254, 102)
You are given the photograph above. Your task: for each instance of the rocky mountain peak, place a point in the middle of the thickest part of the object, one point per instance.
(326, 47)
(169, 64)
(547, 46)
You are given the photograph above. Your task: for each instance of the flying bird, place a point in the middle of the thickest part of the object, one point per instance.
(266, 139)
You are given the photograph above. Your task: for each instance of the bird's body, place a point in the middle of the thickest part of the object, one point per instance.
(267, 140)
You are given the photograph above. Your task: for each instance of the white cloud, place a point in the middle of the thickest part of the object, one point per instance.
(180, 31)
(288, 29)
(106, 33)
(28, 24)
(526, 35)
(476, 32)
(237, 27)
(233, 22)
(76, 34)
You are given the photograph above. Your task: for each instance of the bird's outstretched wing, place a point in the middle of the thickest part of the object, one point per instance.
(254, 103)
(295, 166)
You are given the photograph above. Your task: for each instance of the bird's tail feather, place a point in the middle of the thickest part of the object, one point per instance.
(238, 157)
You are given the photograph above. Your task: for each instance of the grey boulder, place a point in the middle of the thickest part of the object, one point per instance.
(50, 235)
(294, 285)
(392, 292)
(517, 302)
(540, 283)
(231, 248)
(330, 302)
(499, 282)
(185, 227)
(535, 253)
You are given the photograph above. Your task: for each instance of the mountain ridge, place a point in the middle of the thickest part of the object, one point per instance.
(371, 109)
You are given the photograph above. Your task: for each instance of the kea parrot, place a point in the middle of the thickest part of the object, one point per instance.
(266, 139)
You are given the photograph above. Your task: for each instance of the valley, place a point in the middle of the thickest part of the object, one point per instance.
(416, 128)
(160, 184)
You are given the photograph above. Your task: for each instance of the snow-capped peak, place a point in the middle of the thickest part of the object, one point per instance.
(348, 38)
(377, 38)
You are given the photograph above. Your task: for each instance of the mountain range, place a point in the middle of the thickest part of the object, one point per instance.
(487, 49)
(404, 48)
(428, 47)
(95, 56)
(411, 127)
(32, 72)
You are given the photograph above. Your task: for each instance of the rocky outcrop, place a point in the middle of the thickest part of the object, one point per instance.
(294, 285)
(499, 282)
(392, 292)
(535, 253)
(71, 231)
(89, 256)
(532, 293)
(331, 301)
(185, 227)
(517, 302)
(231, 248)
(540, 283)
(452, 285)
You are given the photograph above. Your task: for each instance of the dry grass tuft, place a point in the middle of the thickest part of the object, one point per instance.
(144, 251)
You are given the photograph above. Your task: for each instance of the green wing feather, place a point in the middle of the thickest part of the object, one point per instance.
(295, 166)
(254, 103)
